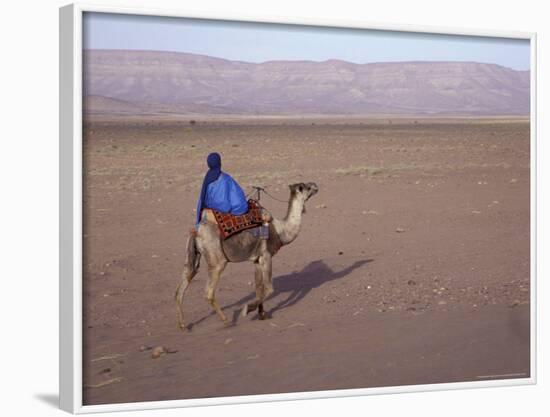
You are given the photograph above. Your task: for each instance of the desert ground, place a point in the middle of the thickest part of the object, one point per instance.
(412, 265)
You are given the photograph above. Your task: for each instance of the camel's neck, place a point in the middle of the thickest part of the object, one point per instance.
(289, 227)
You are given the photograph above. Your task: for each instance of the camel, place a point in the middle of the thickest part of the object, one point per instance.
(242, 247)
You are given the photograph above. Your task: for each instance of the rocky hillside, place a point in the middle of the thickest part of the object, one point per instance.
(147, 82)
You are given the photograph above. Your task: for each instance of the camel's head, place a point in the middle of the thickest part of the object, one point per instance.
(303, 192)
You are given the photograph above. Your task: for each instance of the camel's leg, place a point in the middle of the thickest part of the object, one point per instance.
(188, 274)
(214, 272)
(267, 282)
(192, 263)
(264, 286)
(259, 291)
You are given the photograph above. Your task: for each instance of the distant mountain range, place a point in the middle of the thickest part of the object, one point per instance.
(142, 82)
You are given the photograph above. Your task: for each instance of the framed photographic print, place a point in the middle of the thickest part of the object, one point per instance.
(266, 209)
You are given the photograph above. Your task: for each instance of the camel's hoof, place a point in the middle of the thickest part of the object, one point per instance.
(264, 315)
(182, 327)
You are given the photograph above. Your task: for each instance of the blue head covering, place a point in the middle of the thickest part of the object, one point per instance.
(214, 162)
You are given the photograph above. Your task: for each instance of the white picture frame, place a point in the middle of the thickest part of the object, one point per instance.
(70, 154)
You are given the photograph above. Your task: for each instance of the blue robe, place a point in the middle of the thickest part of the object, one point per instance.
(224, 195)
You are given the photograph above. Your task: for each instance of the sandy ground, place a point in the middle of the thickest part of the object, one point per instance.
(412, 266)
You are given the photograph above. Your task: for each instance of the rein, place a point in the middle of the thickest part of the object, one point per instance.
(258, 191)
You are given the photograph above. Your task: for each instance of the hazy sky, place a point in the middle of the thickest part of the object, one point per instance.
(255, 42)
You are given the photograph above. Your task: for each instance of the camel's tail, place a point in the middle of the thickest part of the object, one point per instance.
(193, 255)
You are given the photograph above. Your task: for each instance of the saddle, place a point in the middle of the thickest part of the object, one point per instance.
(230, 224)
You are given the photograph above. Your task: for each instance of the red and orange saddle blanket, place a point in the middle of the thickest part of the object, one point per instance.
(230, 224)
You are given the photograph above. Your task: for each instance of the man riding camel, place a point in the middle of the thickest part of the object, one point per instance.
(220, 191)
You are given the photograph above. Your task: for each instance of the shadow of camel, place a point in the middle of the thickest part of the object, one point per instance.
(293, 287)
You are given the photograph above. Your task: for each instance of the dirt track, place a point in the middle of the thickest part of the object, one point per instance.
(412, 266)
